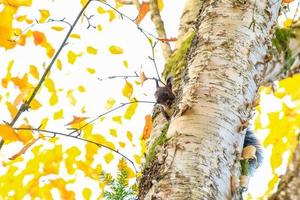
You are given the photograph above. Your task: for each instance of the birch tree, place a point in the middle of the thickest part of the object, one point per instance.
(223, 55)
(226, 53)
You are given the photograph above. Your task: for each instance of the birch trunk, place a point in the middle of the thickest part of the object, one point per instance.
(196, 155)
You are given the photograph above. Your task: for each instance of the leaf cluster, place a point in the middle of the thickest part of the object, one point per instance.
(281, 42)
(119, 188)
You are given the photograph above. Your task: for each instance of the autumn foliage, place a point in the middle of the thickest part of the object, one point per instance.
(60, 140)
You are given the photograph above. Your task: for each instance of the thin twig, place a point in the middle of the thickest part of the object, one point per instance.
(129, 76)
(38, 23)
(125, 16)
(26, 104)
(89, 22)
(146, 33)
(107, 112)
(82, 139)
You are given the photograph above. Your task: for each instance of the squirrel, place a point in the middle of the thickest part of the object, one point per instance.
(252, 140)
(165, 97)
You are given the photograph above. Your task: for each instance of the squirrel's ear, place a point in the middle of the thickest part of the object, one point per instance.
(169, 82)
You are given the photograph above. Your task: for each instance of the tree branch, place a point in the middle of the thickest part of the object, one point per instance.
(277, 68)
(82, 139)
(159, 25)
(107, 112)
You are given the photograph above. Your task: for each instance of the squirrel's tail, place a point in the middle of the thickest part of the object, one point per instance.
(251, 139)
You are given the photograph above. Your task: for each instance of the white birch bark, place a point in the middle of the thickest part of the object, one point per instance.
(221, 80)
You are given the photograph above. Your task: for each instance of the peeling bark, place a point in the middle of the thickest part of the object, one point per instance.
(222, 75)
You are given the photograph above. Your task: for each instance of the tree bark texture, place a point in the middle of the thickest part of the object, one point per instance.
(199, 152)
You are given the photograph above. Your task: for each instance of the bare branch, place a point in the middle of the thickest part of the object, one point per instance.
(82, 139)
(280, 67)
(129, 76)
(159, 25)
(107, 112)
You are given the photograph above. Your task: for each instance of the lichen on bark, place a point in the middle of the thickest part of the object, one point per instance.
(177, 61)
(152, 165)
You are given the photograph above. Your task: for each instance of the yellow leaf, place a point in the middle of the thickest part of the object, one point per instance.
(58, 64)
(137, 159)
(83, 109)
(58, 115)
(21, 18)
(290, 85)
(83, 2)
(81, 88)
(127, 89)
(74, 35)
(57, 28)
(91, 70)
(91, 150)
(44, 15)
(99, 27)
(72, 57)
(110, 103)
(108, 157)
(117, 119)
(91, 50)
(25, 135)
(100, 10)
(76, 120)
(125, 63)
(113, 132)
(44, 123)
(6, 29)
(272, 183)
(160, 4)
(129, 136)
(12, 109)
(122, 144)
(53, 99)
(8, 133)
(115, 49)
(71, 98)
(50, 85)
(112, 15)
(122, 165)
(86, 193)
(130, 110)
(288, 22)
(34, 72)
(35, 104)
(5, 80)
(17, 3)
(22, 83)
